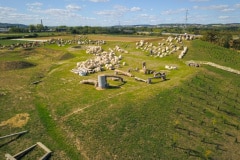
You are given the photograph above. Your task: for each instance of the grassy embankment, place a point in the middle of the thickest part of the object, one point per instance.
(7, 38)
(193, 114)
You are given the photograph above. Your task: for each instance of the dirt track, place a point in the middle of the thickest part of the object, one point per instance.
(219, 66)
(122, 38)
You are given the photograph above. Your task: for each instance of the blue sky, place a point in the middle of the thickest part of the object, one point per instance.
(115, 12)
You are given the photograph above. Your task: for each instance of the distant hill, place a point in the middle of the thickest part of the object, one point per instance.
(8, 25)
(169, 25)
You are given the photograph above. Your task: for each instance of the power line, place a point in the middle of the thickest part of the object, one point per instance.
(186, 18)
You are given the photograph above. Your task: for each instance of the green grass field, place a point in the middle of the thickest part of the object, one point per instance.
(192, 115)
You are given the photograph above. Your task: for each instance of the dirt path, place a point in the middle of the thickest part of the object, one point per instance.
(77, 142)
(229, 69)
(30, 40)
(100, 101)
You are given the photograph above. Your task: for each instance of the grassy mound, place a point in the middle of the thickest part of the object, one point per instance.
(205, 51)
(192, 115)
(77, 47)
(66, 56)
(13, 65)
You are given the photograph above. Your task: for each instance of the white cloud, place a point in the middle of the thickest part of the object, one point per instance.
(199, 0)
(134, 9)
(221, 8)
(57, 16)
(22, 16)
(69, 13)
(223, 17)
(171, 12)
(107, 13)
(118, 10)
(218, 7)
(144, 15)
(228, 10)
(56, 12)
(213, 7)
(145, 18)
(9, 15)
(4, 10)
(34, 6)
(73, 7)
(237, 5)
(200, 18)
(98, 1)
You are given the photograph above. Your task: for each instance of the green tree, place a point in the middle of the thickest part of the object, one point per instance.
(39, 27)
(74, 31)
(236, 44)
(224, 40)
(17, 30)
(211, 36)
(61, 28)
(32, 28)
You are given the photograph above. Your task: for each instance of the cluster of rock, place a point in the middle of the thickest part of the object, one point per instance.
(21, 45)
(180, 56)
(169, 67)
(94, 50)
(103, 60)
(77, 40)
(80, 40)
(166, 47)
(121, 50)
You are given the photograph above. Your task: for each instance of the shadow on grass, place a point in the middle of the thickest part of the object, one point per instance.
(160, 81)
(13, 65)
(116, 86)
(10, 141)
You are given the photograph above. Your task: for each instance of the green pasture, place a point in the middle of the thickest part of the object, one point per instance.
(204, 51)
(6, 38)
(192, 115)
(10, 42)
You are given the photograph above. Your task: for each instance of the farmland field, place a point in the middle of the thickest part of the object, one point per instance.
(194, 114)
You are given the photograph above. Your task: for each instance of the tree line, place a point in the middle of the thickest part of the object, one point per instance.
(224, 39)
(225, 36)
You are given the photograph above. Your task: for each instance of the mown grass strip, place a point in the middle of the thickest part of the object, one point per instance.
(204, 51)
(55, 133)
